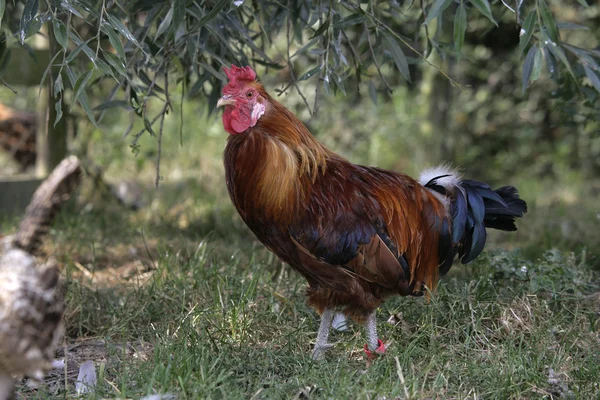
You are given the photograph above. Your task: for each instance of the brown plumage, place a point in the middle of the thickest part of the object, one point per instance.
(299, 181)
(357, 234)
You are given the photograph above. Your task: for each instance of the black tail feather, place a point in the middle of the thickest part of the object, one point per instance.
(474, 206)
(484, 208)
(503, 218)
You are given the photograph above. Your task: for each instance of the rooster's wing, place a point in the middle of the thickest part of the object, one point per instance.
(348, 237)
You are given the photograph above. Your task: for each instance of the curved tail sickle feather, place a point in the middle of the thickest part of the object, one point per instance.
(473, 206)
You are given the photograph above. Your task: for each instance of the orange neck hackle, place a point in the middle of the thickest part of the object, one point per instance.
(280, 159)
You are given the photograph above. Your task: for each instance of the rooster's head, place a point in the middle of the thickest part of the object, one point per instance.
(242, 100)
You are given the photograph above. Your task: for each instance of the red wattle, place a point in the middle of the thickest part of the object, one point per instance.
(235, 121)
(226, 118)
(239, 126)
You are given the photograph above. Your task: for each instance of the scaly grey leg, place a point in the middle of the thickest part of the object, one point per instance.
(321, 346)
(371, 328)
(374, 346)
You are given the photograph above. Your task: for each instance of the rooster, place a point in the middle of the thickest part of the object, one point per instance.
(357, 234)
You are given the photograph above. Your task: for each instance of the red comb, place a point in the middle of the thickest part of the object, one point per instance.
(235, 74)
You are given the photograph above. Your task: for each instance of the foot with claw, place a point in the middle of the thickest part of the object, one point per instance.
(374, 347)
(380, 350)
(322, 344)
(319, 351)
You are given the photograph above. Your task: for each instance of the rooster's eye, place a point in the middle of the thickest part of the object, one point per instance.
(249, 95)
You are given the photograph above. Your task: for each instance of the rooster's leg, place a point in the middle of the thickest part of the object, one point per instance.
(371, 326)
(6, 387)
(322, 346)
(374, 345)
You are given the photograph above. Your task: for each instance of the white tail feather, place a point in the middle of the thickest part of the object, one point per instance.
(449, 182)
(452, 180)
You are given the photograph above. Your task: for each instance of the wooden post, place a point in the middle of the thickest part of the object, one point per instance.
(26, 69)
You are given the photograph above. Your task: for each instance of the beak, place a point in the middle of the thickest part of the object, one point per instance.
(225, 101)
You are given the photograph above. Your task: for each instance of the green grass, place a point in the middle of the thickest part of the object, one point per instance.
(223, 319)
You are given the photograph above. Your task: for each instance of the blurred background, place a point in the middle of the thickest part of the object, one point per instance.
(544, 140)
